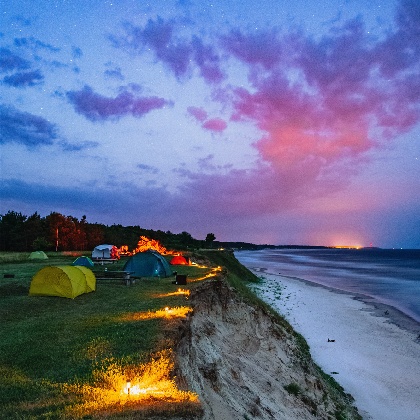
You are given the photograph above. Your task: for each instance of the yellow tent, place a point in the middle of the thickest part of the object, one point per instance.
(63, 280)
(90, 278)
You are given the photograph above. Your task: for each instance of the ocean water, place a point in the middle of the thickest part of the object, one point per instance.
(388, 276)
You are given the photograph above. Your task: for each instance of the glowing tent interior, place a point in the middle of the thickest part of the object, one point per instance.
(179, 260)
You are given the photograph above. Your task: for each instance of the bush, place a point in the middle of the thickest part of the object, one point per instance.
(292, 388)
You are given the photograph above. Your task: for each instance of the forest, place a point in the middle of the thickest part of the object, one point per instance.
(57, 232)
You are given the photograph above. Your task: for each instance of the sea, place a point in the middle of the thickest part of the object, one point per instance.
(387, 276)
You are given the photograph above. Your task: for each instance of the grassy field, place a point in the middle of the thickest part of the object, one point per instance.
(64, 358)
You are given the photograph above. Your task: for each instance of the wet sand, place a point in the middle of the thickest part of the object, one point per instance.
(373, 352)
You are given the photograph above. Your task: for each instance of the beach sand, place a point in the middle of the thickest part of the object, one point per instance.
(373, 358)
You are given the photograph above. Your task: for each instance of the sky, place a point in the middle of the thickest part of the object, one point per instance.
(272, 122)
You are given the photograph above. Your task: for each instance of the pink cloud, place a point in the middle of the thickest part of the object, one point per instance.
(198, 113)
(215, 124)
(337, 108)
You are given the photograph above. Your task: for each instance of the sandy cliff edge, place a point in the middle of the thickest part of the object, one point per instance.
(245, 364)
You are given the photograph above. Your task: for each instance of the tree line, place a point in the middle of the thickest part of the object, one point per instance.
(57, 232)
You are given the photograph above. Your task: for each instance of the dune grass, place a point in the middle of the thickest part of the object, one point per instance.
(51, 348)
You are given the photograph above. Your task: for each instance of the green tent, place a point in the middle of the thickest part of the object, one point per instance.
(38, 255)
(63, 281)
(83, 261)
(148, 264)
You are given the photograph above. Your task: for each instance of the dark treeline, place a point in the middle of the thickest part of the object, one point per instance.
(67, 233)
(57, 232)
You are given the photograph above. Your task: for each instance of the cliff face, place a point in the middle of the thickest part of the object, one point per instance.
(243, 364)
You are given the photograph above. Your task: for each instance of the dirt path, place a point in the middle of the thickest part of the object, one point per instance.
(239, 360)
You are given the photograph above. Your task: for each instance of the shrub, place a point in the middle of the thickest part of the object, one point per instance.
(292, 388)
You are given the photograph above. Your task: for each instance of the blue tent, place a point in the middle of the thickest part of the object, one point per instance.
(84, 262)
(148, 264)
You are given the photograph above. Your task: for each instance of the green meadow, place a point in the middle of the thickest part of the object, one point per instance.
(52, 347)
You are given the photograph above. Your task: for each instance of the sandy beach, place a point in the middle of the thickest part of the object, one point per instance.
(375, 360)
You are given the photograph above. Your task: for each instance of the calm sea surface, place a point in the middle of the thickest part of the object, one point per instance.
(388, 276)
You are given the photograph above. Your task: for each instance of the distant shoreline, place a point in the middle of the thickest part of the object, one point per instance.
(392, 313)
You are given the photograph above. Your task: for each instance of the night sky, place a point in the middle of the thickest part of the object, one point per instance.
(283, 122)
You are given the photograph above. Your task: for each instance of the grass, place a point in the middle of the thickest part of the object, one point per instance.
(63, 358)
(52, 346)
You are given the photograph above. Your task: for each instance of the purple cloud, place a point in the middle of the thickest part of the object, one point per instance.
(198, 113)
(25, 128)
(96, 107)
(215, 124)
(158, 36)
(207, 60)
(23, 79)
(261, 48)
(176, 53)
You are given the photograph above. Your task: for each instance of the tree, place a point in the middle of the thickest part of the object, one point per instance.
(35, 233)
(210, 238)
(12, 231)
(41, 244)
(65, 233)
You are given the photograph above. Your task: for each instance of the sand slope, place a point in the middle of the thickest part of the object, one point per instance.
(238, 359)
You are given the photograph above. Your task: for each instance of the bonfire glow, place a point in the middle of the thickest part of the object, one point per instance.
(146, 244)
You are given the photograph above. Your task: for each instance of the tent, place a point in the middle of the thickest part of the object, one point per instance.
(148, 264)
(83, 261)
(105, 252)
(38, 255)
(179, 260)
(90, 278)
(62, 280)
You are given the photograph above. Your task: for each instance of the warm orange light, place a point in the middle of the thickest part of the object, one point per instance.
(212, 273)
(155, 381)
(152, 379)
(347, 247)
(145, 244)
(123, 250)
(167, 312)
(179, 292)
